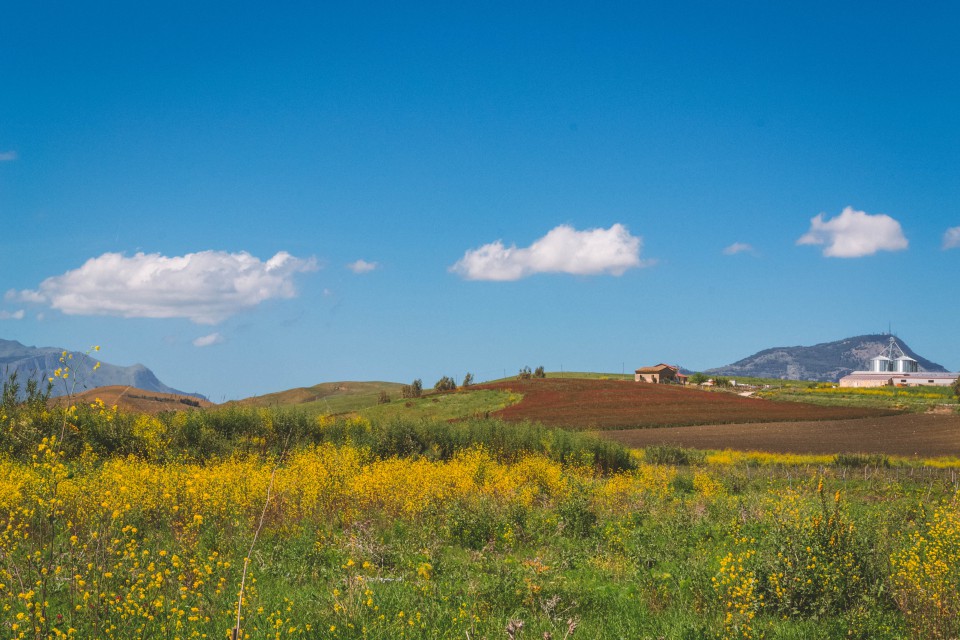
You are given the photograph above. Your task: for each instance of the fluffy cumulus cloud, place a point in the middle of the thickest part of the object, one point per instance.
(206, 287)
(362, 266)
(951, 238)
(738, 247)
(562, 250)
(854, 234)
(12, 315)
(208, 340)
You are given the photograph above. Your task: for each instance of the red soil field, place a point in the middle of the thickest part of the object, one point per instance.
(617, 404)
(904, 435)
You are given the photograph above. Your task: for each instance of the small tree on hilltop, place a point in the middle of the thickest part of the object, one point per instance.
(956, 387)
(414, 390)
(539, 372)
(698, 378)
(525, 374)
(445, 383)
(467, 380)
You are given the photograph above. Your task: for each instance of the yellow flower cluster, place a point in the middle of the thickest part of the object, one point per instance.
(738, 589)
(926, 575)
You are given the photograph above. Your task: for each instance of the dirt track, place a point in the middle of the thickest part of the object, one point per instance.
(906, 435)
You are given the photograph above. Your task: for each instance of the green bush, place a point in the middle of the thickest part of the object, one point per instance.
(672, 454)
(861, 460)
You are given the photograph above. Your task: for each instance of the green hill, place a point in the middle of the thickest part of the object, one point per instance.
(327, 397)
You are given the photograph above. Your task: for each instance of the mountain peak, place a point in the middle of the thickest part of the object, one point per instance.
(40, 363)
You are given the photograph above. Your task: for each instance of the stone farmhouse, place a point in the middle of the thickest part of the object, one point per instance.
(660, 374)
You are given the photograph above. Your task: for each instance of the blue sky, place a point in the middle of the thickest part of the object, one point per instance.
(248, 198)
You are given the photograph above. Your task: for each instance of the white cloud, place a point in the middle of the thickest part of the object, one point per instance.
(562, 250)
(8, 156)
(951, 238)
(854, 234)
(362, 266)
(15, 315)
(206, 287)
(738, 247)
(208, 340)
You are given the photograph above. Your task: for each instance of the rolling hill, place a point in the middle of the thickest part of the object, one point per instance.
(136, 400)
(327, 397)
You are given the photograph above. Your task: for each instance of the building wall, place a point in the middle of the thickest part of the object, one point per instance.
(888, 378)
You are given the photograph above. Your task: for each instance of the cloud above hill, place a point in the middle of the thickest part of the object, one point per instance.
(854, 234)
(951, 238)
(205, 287)
(563, 250)
(362, 266)
(208, 340)
(738, 247)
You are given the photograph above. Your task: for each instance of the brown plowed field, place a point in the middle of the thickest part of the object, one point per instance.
(618, 404)
(905, 435)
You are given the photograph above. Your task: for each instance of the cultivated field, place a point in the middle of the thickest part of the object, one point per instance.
(900, 435)
(615, 404)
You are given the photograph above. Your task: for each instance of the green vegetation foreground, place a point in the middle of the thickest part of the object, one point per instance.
(119, 525)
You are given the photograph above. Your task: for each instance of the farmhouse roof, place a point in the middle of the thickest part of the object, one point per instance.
(657, 369)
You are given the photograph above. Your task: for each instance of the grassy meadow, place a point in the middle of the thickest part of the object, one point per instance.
(120, 525)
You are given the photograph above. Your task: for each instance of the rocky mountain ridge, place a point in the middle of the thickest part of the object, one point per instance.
(39, 363)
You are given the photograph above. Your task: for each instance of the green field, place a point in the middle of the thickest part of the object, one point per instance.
(443, 406)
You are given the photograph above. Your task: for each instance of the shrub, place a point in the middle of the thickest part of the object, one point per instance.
(861, 460)
(539, 372)
(467, 380)
(525, 374)
(926, 576)
(672, 454)
(821, 564)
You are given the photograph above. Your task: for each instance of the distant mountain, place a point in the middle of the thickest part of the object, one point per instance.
(827, 362)
(39, 363)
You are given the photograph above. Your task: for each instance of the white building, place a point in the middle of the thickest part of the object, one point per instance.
(895, 368)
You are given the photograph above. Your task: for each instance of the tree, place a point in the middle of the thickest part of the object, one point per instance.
(383, 398)
(445, 383)
(956, 387)
(698, 378)
(525, 374)
(414, 390)
(467, 380)
(539, 373)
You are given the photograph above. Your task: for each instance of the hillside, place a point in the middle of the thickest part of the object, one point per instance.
(39, 363)
(327, 397)
(827, 362)
(140, 400)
